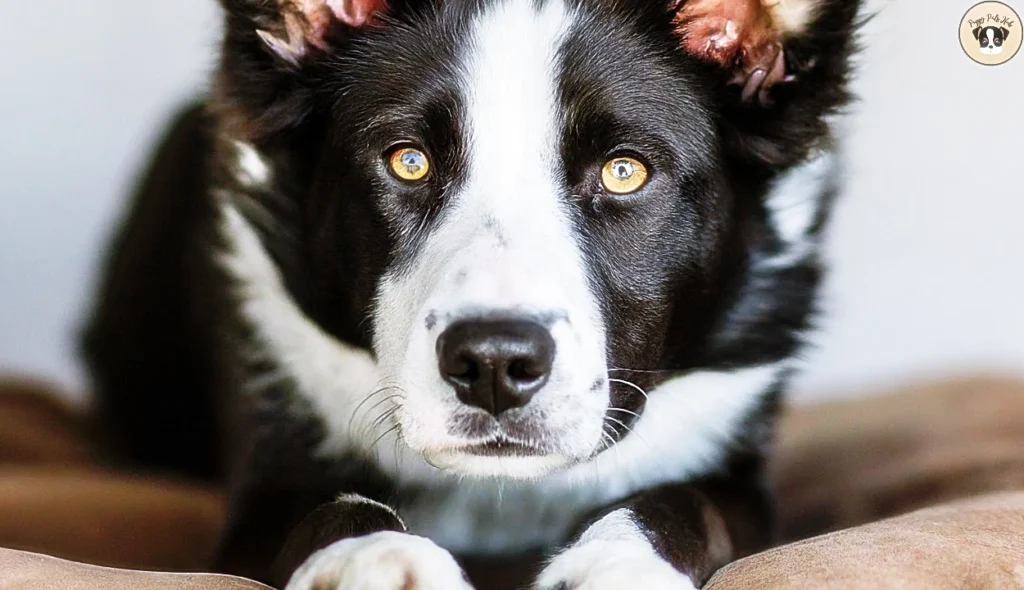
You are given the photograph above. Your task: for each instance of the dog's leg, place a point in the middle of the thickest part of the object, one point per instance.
(361, 543)
(350, 542)
(673, 537)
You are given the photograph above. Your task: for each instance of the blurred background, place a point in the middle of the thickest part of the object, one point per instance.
(927, 246)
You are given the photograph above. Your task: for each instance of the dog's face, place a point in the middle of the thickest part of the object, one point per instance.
(991, 39)
(524, 210)
(564, 205)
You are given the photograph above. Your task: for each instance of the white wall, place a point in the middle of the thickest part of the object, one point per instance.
(928, 241)
(926, 246)
(84, 90)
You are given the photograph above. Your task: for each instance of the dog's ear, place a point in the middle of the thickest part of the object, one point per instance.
(977, 33)
(746, 38)
(1005, 32)
(291, 29)
(270, 55)
(782, 66)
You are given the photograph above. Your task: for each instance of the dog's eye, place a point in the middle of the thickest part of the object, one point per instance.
(623, 175)
(408, 163)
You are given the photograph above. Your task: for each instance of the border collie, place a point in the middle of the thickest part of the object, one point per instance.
(480, 278)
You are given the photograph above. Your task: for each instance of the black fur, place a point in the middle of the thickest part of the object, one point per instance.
(147, 346)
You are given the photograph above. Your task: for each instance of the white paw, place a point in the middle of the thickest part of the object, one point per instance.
(611, 565)
(381, 561)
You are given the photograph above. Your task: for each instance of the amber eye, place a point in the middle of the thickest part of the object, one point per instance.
(408, 163)
(624, 175)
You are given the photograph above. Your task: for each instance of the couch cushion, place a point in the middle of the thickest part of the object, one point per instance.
(839, 464)
(844, 463)
(109, 518)
(971, 544)
(36, 426)
(31, 571)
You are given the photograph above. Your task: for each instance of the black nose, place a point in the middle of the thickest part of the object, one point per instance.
(496, 365)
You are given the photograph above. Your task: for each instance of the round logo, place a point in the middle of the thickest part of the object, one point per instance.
(990, 33)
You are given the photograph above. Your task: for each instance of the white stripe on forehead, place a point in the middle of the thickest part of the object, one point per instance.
(511, 91)
(504, 244)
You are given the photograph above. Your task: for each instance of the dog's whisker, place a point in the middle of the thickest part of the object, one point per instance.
(384, 417)
(607, 437)
(373, 445)
(366, 398)
(375, 393)
(384, 400)
(625, 427)
(612, 443)
(649, 371)
(630, 384)
(629, 430)
(624, 411)
(619, 422)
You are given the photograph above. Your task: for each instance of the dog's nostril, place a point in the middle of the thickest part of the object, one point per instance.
(522, 370)
(464, 369)
(496, 365)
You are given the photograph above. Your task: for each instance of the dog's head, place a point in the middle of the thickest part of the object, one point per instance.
(529, 211)
(991, 39)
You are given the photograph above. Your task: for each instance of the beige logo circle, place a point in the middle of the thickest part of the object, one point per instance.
(990, 33)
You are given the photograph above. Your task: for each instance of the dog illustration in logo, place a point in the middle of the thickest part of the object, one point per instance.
(991, 39)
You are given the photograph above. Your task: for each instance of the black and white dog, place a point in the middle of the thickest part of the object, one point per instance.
(484, 278)
(990, 39)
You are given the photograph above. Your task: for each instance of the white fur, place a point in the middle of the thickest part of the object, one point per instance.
(381, 561)
(792, 17)
(793, 202)
(335, 377)
(618, 526)
(612, 554)
(503, 244)
(795, 198)
(251, 168)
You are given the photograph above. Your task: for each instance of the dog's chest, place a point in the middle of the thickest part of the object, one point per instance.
(487, 518)
(683, 434)
(678, 439)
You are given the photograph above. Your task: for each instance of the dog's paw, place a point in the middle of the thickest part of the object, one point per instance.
(611, 565)
(381, 561)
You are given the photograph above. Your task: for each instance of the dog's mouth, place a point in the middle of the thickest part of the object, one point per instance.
(504, 450)
(500, 456)
(502, 446)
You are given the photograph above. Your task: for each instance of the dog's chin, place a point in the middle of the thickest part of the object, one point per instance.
(489, 462)
(512, 448)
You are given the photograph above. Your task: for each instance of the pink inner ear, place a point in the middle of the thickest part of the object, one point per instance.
(723, 30)
(307, 24)
(355, 13)
(744, 37)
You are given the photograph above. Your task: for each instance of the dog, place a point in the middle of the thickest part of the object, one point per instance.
(427, 284)
(991, 39)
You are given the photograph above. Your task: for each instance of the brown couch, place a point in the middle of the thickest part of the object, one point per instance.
(947, 456)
